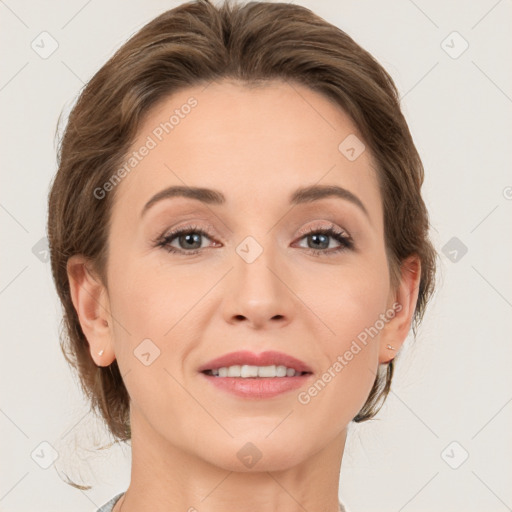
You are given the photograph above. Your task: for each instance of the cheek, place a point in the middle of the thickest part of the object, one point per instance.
(345, 298)
(150, 306)
(349, 301)
(152, 298)
(349, 305)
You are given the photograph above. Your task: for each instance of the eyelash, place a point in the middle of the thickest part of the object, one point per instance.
(345, 240)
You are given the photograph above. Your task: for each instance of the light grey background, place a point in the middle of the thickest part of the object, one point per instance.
(452, 385)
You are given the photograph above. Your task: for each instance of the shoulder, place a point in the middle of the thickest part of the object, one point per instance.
(107, 507)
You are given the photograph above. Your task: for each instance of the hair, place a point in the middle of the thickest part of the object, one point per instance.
(196, 43)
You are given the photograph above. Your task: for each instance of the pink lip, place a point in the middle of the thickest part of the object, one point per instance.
(267, 358)
(257, 388)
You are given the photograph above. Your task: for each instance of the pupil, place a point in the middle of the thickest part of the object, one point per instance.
(325, 242)
(190, 238)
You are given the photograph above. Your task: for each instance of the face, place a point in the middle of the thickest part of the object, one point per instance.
(260, 266)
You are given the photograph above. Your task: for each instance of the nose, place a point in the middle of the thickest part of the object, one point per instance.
(258, 293)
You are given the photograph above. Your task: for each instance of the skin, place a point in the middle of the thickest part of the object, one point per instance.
(256, 146)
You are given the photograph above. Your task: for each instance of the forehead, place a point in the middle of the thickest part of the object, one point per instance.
(255, 144)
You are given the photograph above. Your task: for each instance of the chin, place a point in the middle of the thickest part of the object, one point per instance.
(244, 455)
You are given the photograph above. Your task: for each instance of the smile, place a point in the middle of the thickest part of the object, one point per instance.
(249, 371)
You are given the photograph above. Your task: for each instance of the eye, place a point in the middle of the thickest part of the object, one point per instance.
(319, 240)
(188, 239)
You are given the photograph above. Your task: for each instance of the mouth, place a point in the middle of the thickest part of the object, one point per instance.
(255, 372)
(249, 375)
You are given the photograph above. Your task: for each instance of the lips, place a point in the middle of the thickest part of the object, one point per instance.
(267, 358)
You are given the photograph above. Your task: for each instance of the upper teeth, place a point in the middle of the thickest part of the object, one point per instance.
(247, 370)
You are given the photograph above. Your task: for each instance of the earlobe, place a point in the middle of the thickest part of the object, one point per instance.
(91, 303)
(403, 303)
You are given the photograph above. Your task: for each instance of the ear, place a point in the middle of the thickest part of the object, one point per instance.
(403, 303)
(91, 303)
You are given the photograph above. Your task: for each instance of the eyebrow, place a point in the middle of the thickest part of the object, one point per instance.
(300, 196)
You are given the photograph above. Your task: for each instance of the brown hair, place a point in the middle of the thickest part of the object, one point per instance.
(194, 44)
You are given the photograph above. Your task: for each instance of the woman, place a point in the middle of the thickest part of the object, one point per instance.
(240, 245)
